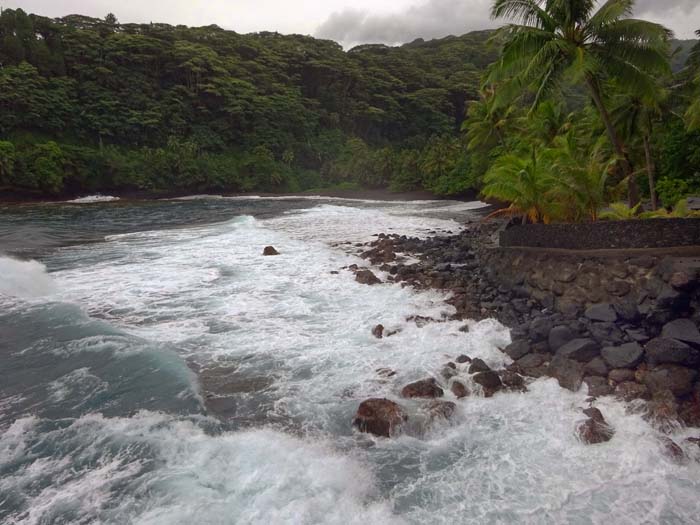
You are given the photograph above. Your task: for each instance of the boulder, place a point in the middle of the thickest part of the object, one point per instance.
(380, 417)
(627, 311)
(424, 388)
(490, 382)
(662, 350)
(597, 367)
(621, 375)
(568, 372)
(366, 277)
(441, 409)
(601, 312)
(662, 411)
(517, 349)
(597, 386)
(463, 359)
(512, 380)
(672, 451)
(682, 330)
(582, 350)
(595, 429)
(559, 336)
(677, 379)
(448, 372)
(478, 365)
(540, 328)
(378, 331)
(459, 390)
(627, 355)
(630, 390)
(270, 250)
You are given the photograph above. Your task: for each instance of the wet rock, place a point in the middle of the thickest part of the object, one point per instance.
(517, 349)
(597, 386)
(540, 328)
(597, 367)
(582, 350)
(601, 312)
(595, 429)
(463, 359)
(627, 355)
(490, 382)
(512, 380)
(677, 379)
(386, 372)
(478, 365)
(568, 372)
(672, 451)
(464, 329)
(621, 375)
(270, 250)
(662, 350)
(682, 330)
(380, 417)
(559, 336)
(459, 390)
(378, 331)
(441, 409)
(424, 388)
(606, 333)
(627, 311)
(366, 277)
(448, 372)
(662, 411)
(629, 391)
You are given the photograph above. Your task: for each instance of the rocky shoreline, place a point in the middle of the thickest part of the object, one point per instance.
(624, 326)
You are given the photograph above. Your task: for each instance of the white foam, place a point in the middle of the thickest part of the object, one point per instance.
(24, 279)
(94, 199)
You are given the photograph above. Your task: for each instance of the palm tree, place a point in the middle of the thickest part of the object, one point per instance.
(555, 41)
(524, 181)
(486, 124)
(692, 115)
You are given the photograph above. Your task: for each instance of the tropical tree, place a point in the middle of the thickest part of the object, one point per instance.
(552, 42)
(692, 115)
(526, 182)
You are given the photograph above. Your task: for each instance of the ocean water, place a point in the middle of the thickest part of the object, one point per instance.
(155, 368)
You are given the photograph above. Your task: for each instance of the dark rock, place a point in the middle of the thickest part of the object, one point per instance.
(582, 350)
(386, 372)
(597, 367)
(459, 390)
(597, 386)
(662, 350)
(540, 328)
(448, 372)
(441, 409)
(682, 330)
(568, 372)
(366, 277)
(380, 417)
(378, 331)
(424, 388)
(601, 312)
(618, 288)
(628, 355)
(490, 381)
(517, 349)
(662, 411)
(638, 335)
(559, 336)
(595, 429)
(463, 359)
(621, 375)
(681, 281)
(606, 333)
(672, 299)
(672, 451)
(629, 391)
(677, 379)
(478, 365)
(464, 329)
(627, 311)
(270, 250)
(512, 380)
(566, 274)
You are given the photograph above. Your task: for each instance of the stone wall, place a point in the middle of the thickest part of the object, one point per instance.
(605, 235)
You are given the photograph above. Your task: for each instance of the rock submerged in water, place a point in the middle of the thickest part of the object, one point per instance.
(595, 429)
(381, 417)
(424, 388)
(489, 381)
(366, 277)
(270, 250)
(378, 331)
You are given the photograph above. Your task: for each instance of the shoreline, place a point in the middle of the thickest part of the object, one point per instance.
(331, 193)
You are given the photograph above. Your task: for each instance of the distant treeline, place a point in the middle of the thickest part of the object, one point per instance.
(94, 105)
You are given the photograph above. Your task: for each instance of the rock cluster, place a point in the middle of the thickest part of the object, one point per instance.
(619, 325)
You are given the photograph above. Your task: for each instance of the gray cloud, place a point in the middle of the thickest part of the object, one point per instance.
(438, 18)
(434, 18)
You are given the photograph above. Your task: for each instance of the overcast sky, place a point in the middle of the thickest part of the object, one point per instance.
(347, 21)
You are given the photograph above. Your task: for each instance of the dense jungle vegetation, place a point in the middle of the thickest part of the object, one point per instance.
(560, 112)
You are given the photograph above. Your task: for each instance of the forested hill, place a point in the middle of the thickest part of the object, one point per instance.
(94, 105)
